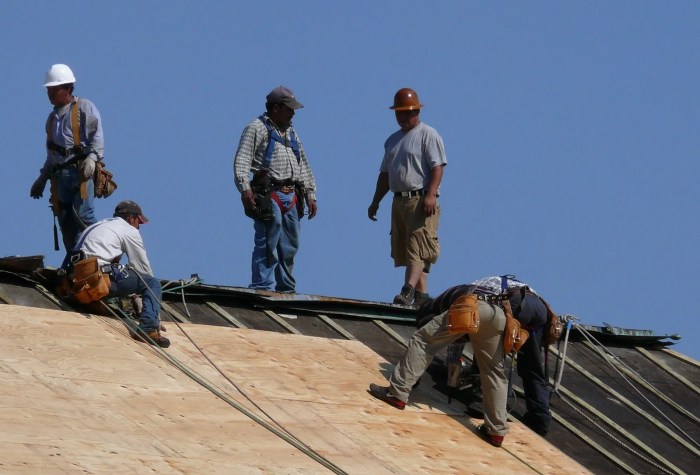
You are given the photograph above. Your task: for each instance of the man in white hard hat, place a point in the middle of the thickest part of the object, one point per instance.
(74, 142)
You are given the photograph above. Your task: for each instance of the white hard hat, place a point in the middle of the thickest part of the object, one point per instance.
(59, 74)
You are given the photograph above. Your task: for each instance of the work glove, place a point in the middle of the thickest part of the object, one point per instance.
(38, 186)
(87, 169)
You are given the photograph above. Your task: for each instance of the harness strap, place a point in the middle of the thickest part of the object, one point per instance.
(81, 241)
(75, 125)
(284, 209)
(74, 122)
(75, 128)
(272, 137)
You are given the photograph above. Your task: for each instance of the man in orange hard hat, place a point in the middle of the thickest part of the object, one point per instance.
(412, 168)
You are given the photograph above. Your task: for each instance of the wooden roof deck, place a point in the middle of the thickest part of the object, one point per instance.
(80, 396)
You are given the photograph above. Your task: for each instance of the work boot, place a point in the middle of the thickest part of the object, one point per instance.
(382, 392)
(154, 337)
(420, 298)
(406, 296)
(495, 440)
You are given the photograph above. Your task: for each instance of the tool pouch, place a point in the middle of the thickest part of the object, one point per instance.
(261, 187)
(87, 283)
(553, 328)
(463, 315)
(514, 336)
(104, 184)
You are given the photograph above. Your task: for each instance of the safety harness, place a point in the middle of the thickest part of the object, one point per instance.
(78, 153)
(77, 150)
(272, 137)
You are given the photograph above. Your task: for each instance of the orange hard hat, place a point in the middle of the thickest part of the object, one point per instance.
(406, 99)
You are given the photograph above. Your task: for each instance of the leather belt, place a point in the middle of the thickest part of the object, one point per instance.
(408, 194)
(490, 298)
(285, 186)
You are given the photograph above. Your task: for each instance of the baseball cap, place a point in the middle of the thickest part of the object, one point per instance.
(283, 95)
(130, 207)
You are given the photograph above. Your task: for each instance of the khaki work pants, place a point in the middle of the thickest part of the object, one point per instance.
(488, 351)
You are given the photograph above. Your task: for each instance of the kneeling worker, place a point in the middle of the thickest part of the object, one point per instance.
(111, 238)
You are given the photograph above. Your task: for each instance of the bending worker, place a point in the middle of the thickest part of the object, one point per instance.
(109, 240)
(435, 335)
(531, 311)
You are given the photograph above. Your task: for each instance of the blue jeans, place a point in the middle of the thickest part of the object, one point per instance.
(76, 214)
(276, 244)
(126, 282)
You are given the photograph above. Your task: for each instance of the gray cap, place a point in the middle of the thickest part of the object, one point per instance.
(283, 95)
(130, 207)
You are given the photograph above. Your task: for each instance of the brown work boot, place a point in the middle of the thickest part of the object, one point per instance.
(406, 296)
(154, 337)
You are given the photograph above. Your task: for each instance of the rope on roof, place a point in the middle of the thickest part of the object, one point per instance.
(274, 427)
(612, 356)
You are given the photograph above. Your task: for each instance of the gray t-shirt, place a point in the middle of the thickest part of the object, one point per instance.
(410, 156)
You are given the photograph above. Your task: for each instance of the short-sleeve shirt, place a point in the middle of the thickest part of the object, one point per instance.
(409, 157)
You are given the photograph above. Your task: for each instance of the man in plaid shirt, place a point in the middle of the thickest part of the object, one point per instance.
(282, 179)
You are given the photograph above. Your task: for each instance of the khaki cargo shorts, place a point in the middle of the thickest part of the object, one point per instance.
(414, 237)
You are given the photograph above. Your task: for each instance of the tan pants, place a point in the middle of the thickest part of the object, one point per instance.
(488, 350)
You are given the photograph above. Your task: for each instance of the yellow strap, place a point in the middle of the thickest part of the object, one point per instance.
(75, 123)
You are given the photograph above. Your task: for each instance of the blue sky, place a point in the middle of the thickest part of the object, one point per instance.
(571, 131)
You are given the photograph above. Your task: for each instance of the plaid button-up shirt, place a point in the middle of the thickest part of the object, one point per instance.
(284, 164)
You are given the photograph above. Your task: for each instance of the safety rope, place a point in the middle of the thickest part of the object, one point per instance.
(561, 359)
(173, 286)
(592, 339)
(613, 437)
(276, 429)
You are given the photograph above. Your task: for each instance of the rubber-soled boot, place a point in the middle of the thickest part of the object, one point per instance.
(382, 392)
(420, 298)
(406, 296)
(495, 440)
(154, 337)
